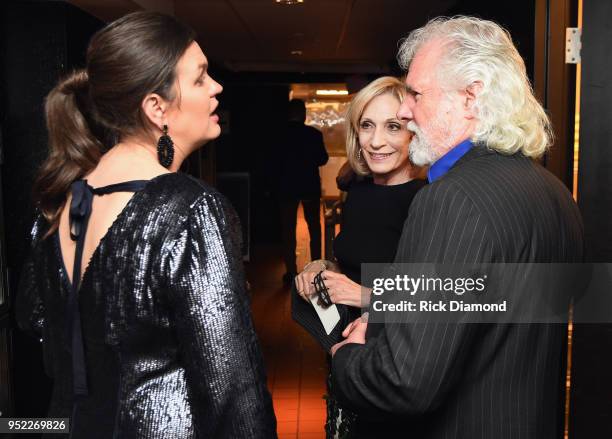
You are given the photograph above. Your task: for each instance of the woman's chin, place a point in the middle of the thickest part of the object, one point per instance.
(379, 168)
(214, 131)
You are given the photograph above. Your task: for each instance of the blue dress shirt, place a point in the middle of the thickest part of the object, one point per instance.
(444, 163)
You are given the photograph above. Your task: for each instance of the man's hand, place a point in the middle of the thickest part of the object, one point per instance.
(355, 333)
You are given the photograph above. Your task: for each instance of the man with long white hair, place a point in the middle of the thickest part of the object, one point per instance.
(478, 125)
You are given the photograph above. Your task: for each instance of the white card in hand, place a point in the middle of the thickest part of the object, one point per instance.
(328, 316)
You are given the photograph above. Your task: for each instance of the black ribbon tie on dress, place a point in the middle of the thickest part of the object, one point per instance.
(80, 211)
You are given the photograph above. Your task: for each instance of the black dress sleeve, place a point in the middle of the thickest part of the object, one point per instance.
(211, 313)
(29, 305)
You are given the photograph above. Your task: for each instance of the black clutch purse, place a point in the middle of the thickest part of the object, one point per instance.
(304, 314)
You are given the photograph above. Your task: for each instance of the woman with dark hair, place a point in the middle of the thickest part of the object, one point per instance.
(135, 279)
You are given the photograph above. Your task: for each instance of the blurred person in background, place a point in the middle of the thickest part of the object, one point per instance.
(299, 154)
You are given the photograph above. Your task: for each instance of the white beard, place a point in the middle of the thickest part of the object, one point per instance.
(420, 149)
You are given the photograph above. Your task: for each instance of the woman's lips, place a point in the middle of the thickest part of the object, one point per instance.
(215, 118)
(379, 157)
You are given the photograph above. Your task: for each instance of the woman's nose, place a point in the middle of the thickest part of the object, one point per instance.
(378, 139)
(217, 88)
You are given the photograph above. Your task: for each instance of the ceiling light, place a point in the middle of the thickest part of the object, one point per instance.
(290, 2)
(332, 92)
(296, 52)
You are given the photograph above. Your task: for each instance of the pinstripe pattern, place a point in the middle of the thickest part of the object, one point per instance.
(440, 380)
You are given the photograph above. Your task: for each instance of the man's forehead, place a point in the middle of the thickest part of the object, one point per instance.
(424, 63)
(411, 79)
(416, 76)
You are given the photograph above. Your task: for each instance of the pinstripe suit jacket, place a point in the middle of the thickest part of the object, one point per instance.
(470, 381)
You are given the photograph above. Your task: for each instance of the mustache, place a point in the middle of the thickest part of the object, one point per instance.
(412, 126)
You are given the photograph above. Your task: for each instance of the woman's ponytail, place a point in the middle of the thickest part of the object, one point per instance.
(74, 150)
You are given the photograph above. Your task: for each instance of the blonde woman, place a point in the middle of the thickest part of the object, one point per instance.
(374, 211)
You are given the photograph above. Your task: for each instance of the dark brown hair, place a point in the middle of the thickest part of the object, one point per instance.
(91, 109)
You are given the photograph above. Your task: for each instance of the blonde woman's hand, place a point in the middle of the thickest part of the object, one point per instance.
(344, 291)
(303, 284)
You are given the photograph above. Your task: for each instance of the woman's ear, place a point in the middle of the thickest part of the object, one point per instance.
(154, 107)
(471, 94)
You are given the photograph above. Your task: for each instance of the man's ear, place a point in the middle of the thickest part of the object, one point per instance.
(471, 94)
(154, 107)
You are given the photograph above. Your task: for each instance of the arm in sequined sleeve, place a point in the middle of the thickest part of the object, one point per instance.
(29, 306)
(221, 355)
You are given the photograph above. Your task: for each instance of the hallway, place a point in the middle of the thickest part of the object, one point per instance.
(295, 363)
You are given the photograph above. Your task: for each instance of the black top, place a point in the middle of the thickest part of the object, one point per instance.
(372, 220)
(168, 341)
(298, 154)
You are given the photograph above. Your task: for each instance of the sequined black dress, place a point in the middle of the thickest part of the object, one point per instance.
(169, 346)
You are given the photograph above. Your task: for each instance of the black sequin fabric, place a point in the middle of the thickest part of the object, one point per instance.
(170, 349)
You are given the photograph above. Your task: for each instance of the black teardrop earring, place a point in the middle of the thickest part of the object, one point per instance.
(165, 149)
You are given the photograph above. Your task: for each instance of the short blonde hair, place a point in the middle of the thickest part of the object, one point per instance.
(378, 87)
(510, 119)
